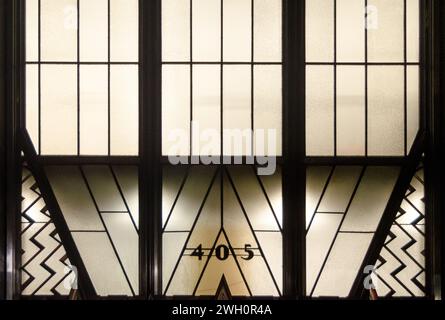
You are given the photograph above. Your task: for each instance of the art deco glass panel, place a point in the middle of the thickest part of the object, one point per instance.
(82, 76)
(362, 77)
(344, 206)
(400, 269)
(221, 222)
(221, 69)
(100, 207)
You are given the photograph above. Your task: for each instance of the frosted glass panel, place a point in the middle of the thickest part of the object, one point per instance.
(350, 30)
(412, 25)
(93, 110)
(385, 41)
(237, 110)
(339, 192)
(413, 103)
(222, 225)
(351, 111)
(32, 30)
(59, 109)
(206, 110)
(268, 110)
(176, 110)
(320, 30)
(319, 110)
(316, 178)
(59, 26)
(206, 24)
(267, 30)
(237, 40)
(343, 264)
(176, 30)
(124, 26)
(386, 110)
(74, 198)
(93, 30)
(124, 107)
(32, 103)
(370, 199)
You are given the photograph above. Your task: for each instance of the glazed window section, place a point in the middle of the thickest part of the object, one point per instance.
(82, 76)
(221, 223)
(362, 77)
(221, 77)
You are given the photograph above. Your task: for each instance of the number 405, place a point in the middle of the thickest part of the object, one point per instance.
(222, 252)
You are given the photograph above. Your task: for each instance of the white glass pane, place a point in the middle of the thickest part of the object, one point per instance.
(316, 178)
(237, 30)
(412, 29)
(124, 110)
(320, 31)
(74, 198)
(32, 30)
(340, 189)
(93, 30)
(126, 242)
(268, 110)
(350, 30)
(176, 30)
(319, 110)
(32, 103)
(413, 104)
(59, 109)
(267, 30)
(93, 110)
(206, 24)
(371, 199)
(386, 34)
(206, 110)
(351, 111)
(128, 179)
(124, 30)
(109, 280)
(343, 264)
(175, 110)
(59, 30)
(237, 110)
(104, 189)
(386, 111)
(318, 241)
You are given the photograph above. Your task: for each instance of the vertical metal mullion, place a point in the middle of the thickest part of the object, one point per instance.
(294, 171)
(405, 77)
(366, 78)
(39, 74)
(191, 78)
(150, 147)
(335, 78)
(78, 77)
(109, 75)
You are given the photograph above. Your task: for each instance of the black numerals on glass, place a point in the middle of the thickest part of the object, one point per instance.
(222, 252)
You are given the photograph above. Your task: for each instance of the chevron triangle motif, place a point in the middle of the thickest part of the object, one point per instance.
(400, 269)
(227, 232)
(44, 263)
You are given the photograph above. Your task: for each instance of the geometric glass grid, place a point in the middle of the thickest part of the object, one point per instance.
(82, 76)
(221, 224)
(45, 268)
(221, 77)
(344, 206)
(400, 268)
(362, 77)
(100, 206)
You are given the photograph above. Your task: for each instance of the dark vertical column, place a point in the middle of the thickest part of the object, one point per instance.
(13, 25)
(150, 148)
(294, 172)
(2, 150)
(434, 32)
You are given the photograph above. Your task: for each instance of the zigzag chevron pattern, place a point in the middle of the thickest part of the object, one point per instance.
(400, 269)
(43, 256)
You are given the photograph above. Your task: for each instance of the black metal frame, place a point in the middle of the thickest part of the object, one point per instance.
(294, 159)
